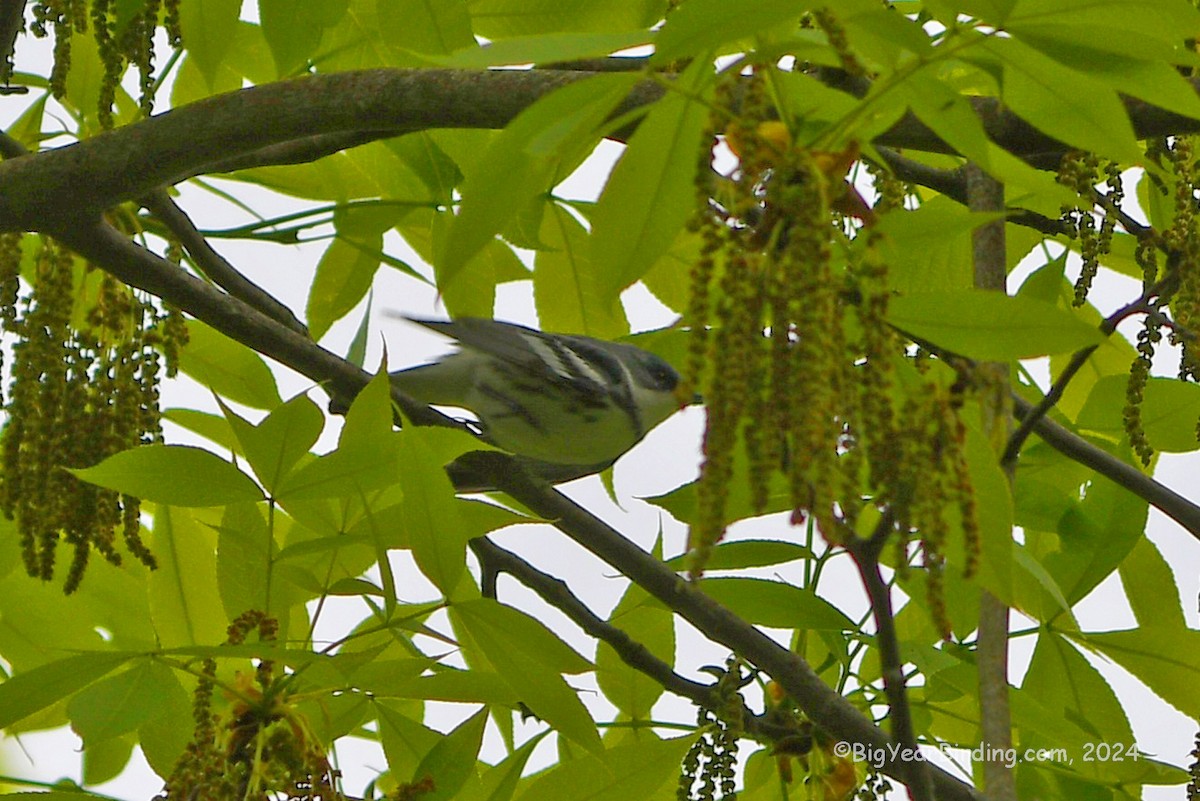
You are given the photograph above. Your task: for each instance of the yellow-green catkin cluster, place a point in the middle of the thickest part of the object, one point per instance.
(1175, 285)
(938, 480)
(793, 354)
(124, 36)
(257, 747)
(1183, 242)
(708, 771)
(1193, 788)
(773, 324)
(1082, 172)
(83, 386)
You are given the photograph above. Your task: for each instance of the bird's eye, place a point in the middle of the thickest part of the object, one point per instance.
(664, 375)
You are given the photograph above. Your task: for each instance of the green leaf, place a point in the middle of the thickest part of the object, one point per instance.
(650, 624)
(1165, 660)
(119, 704)
(650, 193)
(405, 741)
(247, 58)
(163, 736)
(541, 643)
(1064, 103)
(27, 129)
(176, 475)
(1146, 29)
(344, 275)
(495, 264)
(994, 513)
(892, 40)
(424, 158)
(245, 554)
(430, 510)
(567, 286)
(366, 455)
(427, 28)
(499, 783)
(1032, 569)
(1092, 536)
(208, 30)
(669, 278)
(356, 354)
(293, 29)
(502, 19)
(1169, 410)
(993, 11)
(1066, 683)
(929, 248)
(104, 760)
(212, 427)
(931, 94)
(737, 555)
(374, 34)
(636, 770)
(629, 689)
(33, 690)
(530, 658)
(990, 326)
(452, 760)
(275, 445)
(776, 604)
(527, 158)
(228, 368)
(1151, 588)
(184, 603)
(698, 26)
(452, 686)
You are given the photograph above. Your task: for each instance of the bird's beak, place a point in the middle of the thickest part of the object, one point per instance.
(685, 399)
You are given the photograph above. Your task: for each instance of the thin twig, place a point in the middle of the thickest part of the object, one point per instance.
(633, 653)
(953, 185)
(1142, 305)
(214, 266)
(1161, 497)
(866, 558)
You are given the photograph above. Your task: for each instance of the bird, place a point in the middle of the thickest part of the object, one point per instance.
(567, 405)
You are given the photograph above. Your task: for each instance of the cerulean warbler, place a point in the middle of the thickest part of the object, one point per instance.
(571, 402)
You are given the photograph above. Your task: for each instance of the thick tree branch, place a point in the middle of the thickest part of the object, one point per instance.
(86, 177)
(311, 115)
(820, 703)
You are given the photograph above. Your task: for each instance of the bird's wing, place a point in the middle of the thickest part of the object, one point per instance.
(536, 355)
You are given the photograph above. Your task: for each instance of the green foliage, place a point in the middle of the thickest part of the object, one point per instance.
(267, 517)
